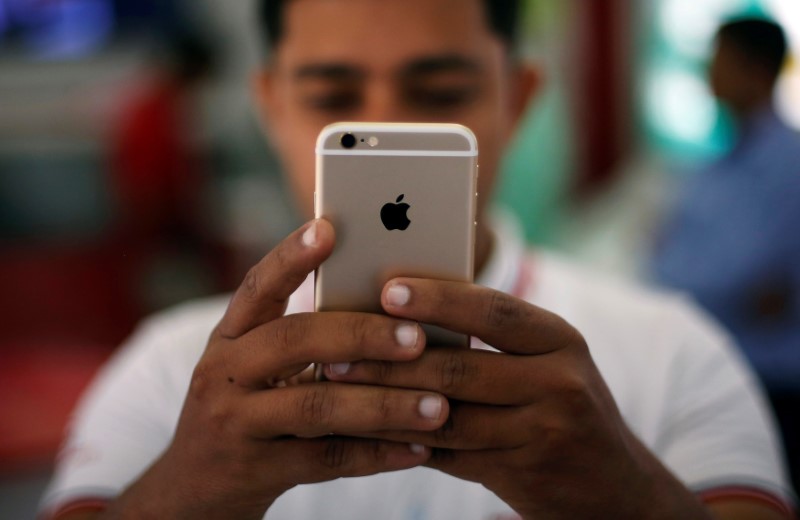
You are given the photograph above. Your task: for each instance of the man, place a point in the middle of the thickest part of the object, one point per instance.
(530, 430)
(733, 241)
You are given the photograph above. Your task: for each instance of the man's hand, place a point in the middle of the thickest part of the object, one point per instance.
(246, 434)
(536, 423)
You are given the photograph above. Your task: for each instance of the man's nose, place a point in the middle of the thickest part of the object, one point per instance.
(384, 104)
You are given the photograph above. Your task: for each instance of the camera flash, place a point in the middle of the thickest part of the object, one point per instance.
(373, 142)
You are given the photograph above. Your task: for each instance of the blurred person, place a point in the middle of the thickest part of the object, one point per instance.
(733, 240)
(158, 166)
(613, 403)
(159, 171)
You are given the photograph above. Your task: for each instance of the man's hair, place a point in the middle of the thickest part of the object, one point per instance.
(188, 55)
(502, 16)
(761, 41)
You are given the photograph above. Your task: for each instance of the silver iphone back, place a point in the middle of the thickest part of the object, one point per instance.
(402, 199)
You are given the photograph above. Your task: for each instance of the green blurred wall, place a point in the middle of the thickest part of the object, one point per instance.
(536, 172)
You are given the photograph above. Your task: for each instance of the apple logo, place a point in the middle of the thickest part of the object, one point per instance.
(395, 216)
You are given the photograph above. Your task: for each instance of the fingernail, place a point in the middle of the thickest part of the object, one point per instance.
(310, 236)
(430, 407)
(407, 334)
(340, 369)
(398, 295)
(417, 449)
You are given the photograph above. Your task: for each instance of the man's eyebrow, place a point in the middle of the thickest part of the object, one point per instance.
(328, 71)
(439, 64)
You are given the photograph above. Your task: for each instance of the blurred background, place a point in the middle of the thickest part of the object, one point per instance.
(134, 175)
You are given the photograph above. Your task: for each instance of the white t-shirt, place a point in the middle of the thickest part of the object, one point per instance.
(681, 387)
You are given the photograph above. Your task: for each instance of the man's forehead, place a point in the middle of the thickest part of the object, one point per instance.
(345, 7)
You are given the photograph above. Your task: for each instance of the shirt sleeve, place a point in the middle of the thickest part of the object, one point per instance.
(122, 424)
(718, 429)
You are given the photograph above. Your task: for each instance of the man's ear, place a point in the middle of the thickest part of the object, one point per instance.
(527, 81)
(269, 111)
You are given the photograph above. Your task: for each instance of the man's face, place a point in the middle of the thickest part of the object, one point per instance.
(725, 72)
(735, 80)
(387, 61)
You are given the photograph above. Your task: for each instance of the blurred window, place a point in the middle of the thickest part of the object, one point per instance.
(68, 29)
(681, 116)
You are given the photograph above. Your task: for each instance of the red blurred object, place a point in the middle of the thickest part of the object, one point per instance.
(64, 310)
(157, 168)
(39, 385)
(603, 99)
(57, 293)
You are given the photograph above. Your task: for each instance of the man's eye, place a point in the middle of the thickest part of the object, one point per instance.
(333, 102)
(442, 98)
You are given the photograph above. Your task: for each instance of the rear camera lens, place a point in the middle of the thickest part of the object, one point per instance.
(348, 141)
